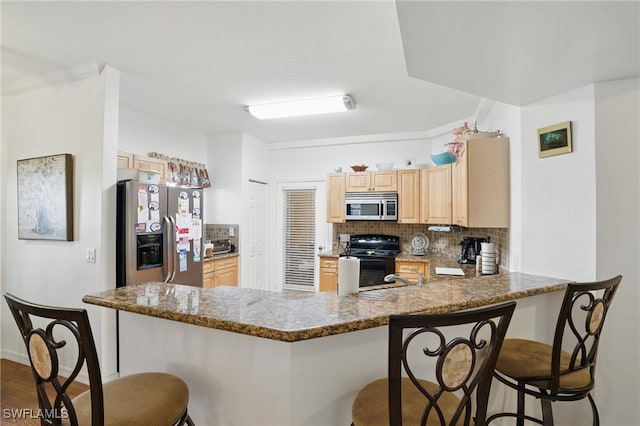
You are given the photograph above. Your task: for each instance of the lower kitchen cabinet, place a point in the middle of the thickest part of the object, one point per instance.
(220, 272)
(404, 269)
(329, 274)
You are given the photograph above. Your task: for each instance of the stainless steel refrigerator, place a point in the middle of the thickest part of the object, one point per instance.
(159, 234)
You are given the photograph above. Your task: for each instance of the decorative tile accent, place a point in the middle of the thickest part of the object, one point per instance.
(444, 243)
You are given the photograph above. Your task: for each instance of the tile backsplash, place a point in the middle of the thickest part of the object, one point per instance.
(215, 231)
(447, 243)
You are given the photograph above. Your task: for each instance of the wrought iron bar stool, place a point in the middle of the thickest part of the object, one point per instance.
(565, 369)
(463, 345)
(139, 399)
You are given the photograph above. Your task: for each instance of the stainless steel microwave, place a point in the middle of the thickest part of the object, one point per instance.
(371, 206)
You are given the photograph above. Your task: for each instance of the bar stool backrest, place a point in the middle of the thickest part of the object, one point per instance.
(584, 309)
(464, 346)
(43, 346)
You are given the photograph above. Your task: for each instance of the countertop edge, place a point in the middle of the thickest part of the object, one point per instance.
(295, 335)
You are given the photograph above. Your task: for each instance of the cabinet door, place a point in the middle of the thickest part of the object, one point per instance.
(227, 276)
(435, 195)
(381, 181)
(358, 182)
(409, 196)
(460, 190)
(404, 269)
(335, 197)
(154, 164)
(207, 280)
(328, 274)
(125, 160)
(384, 181)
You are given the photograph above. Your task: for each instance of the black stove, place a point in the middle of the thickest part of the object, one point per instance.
(377, 253)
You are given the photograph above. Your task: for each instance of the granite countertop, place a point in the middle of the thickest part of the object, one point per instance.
(220, 256)
(295, 316)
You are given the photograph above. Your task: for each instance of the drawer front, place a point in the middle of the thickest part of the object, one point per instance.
(229, 262)
(207, 266)
(329, 262)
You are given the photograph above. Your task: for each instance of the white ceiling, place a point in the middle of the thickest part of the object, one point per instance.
(197, 64)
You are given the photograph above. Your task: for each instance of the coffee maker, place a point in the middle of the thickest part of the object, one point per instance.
(470, 249)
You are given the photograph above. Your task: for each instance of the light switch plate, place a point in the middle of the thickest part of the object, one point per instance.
(90, 255)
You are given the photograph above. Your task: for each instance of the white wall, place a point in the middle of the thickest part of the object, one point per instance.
(141, 133)
(558, 192)
(617, 137)
(311, 162)
(224, 159)
(79, 118)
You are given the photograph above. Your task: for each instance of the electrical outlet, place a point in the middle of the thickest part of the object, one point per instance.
(90, 255)
(232, 232)
(410, 162)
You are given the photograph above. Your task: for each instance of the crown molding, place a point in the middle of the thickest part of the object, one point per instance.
(53, 78)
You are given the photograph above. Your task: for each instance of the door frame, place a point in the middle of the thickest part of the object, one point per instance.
(324, 230)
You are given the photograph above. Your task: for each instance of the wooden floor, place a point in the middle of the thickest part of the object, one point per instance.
(18, 394)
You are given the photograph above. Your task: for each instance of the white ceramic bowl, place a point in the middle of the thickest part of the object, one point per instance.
(384, 166)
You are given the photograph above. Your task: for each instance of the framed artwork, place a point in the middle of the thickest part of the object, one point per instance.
(45, 198)
(554, 140)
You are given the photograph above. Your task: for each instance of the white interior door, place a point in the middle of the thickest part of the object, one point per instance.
(302, 231)
(254, 270)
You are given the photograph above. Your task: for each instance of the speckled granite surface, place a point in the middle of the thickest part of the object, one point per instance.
(295, 316)
(220, 256)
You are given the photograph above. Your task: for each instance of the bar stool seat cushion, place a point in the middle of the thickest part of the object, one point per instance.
(371, 406)
(522, 359)
(138, 399)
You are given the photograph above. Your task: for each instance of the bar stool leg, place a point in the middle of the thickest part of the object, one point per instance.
(547, 413)
(520, 418)
(594, 409)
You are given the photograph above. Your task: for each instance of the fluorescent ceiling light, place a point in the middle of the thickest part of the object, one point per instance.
(302, 107)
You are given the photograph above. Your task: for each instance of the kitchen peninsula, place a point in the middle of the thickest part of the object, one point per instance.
(259, 357)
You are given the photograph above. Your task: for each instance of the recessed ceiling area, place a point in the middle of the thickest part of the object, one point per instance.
(197, 64)
(518, 52)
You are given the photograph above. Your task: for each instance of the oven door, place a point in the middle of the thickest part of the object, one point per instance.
(373, 271)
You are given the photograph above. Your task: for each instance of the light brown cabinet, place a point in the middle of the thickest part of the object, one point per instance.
(480, 184)
(404, 269)
(409, 196)
(220, 272)
(125, 160)
(128, 160)
(157, 165)
(435, 195)
(335, 197)
(328, 274)
(381, 181)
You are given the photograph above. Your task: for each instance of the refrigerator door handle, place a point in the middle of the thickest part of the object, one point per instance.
(172, 248)
(169, 229)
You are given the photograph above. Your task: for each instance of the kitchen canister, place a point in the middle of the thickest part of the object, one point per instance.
(348, 275)
(489, 257)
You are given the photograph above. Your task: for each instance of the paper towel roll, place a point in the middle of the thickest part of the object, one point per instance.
(348, 275)
(487, 248)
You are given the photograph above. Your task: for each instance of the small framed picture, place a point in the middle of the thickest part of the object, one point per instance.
(554, 140)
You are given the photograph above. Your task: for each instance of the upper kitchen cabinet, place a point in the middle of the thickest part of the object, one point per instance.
(125, 160)
(381, 181)
(335, 197)
(128, 160)
(157, 165)
(435, 195)
(480, 184)
(409, 196)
